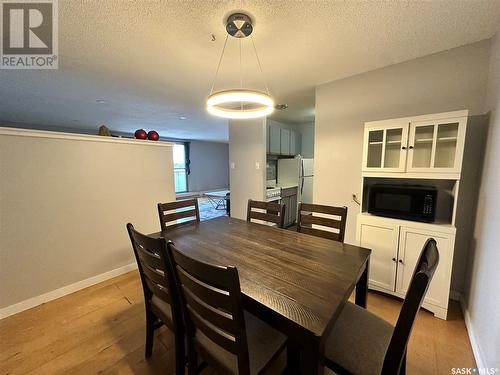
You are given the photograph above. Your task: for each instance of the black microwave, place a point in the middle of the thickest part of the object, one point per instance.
(408, 202)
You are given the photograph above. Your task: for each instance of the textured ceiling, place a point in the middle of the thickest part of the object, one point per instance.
(153, 61)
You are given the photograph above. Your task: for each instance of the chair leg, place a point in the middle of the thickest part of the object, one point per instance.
(192, 362)
(150, 330)
(180, 356)
(402, 370)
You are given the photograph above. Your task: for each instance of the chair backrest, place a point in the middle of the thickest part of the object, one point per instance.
(211, 299)
(156, 272)
(422, 276)
(271, 212)
(185, 210)
(337, 222)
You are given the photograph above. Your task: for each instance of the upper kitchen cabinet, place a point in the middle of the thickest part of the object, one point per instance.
(282, 141)
(421, 146)
(295, 142)
(285, 141)
(274, 139)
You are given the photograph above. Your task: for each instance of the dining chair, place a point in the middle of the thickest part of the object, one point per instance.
(230, 340)
(336, 220)
(270, 212)
(362, 343)
(185, 210)
(161, 298)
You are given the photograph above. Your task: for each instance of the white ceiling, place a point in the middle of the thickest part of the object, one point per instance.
(153, 61)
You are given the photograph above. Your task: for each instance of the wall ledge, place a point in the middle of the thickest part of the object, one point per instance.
(65, 290)
(81, 137)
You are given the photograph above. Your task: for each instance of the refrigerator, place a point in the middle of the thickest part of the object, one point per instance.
(298, 171)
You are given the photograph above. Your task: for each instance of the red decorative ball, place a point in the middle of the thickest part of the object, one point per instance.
(153, 136)
(140, 134)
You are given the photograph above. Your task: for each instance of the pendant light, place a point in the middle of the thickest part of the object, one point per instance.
(239, 103)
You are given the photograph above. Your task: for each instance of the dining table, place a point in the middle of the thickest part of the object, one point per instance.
(295, 282)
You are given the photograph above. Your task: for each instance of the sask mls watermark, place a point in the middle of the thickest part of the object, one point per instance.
(29, 34)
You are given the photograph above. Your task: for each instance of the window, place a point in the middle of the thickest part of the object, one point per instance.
(180, 175)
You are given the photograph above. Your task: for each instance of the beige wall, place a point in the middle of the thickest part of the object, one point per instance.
(247, 147)
(446, 81)
(482, 297)
(64, 204)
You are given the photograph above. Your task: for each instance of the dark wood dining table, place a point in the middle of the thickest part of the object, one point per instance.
(295, 282)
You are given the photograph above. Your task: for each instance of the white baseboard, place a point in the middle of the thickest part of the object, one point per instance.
(472, 337)
(65, 290)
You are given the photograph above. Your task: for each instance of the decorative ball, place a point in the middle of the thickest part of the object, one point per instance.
(153, 136)
(140, 134)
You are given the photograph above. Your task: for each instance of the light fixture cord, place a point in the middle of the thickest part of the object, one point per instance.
(260, 66)
(241, 78)
(218, 65)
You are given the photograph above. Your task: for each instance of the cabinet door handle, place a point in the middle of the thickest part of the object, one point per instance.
(400, 261)
(403, 148)
(394, 260)
(411, 147)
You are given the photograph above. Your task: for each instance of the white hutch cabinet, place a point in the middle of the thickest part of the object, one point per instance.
(423, 150)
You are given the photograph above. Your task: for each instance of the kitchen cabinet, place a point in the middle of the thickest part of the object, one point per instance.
(285, 141)
(383, 239)
(274, 139)
(396, 245)
(282, 141)
(295, 141)
(289, 199)
(411, 243)
(429, 144)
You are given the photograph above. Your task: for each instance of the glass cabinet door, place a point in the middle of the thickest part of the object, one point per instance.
(375, 142)
(446, 145)
(437, 146)
(422, 146)
(393, 147)
(385, 148)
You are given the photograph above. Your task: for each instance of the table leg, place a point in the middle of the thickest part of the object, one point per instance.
(292, 358)
(362, 287)
(310, 361)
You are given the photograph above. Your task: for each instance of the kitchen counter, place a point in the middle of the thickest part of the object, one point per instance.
(287, 186)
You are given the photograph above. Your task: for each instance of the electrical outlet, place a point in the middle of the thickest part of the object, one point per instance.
(257, 165)
(232, 165)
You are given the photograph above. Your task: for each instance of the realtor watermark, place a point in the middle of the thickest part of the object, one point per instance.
(29, 34)
(475, 370)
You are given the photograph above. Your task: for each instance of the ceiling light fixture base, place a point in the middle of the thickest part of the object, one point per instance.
(239, 25)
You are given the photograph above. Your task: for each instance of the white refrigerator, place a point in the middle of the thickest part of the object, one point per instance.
(299, 172)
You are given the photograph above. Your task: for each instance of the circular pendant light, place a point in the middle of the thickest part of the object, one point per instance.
(239, 103)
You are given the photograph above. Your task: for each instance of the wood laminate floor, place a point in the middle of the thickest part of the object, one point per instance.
(100, 330)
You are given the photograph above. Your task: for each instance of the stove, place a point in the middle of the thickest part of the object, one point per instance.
(273, 194)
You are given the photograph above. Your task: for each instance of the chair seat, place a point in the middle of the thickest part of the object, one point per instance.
(358, 341)
(263, 343)
(162, 310)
